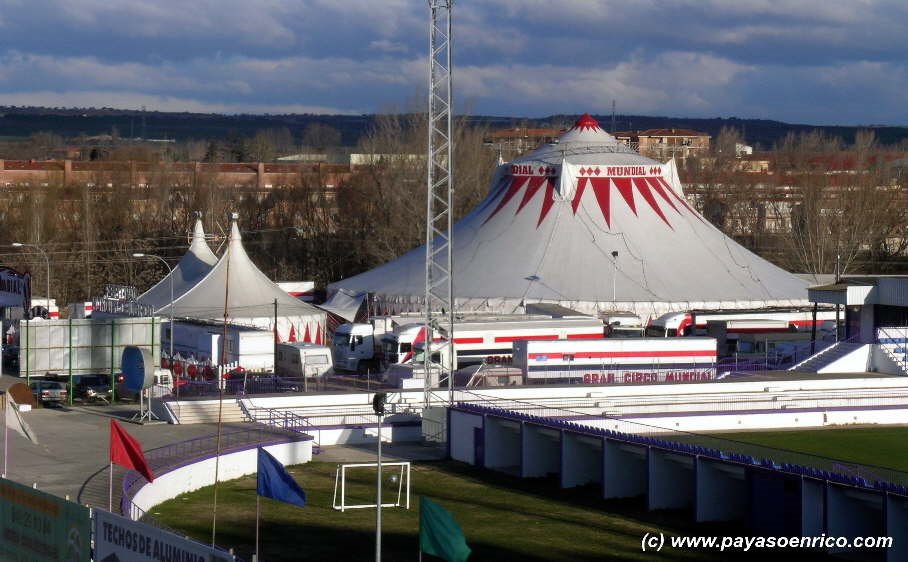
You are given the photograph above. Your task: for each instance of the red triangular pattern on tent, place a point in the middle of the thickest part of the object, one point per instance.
(643, 188)
(534, 185)
(306, 337)
(654, 183)
(548, 201)
(680, 199)
(601, 188)
(624, 187)
(581, 185)
(318, 334)
(515, 186)
(292, 336)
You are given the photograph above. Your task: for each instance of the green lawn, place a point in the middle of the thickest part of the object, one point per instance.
(503, 517)
(877, 446)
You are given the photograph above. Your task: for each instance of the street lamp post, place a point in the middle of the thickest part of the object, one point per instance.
(170, 274)
(47, 302)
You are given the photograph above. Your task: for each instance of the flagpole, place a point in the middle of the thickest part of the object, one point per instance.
(110, 489)
(258, 509)
(378, 498)
(5, 436)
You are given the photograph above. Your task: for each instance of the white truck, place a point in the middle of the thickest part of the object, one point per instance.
(298, 359)
(676, 324)
(617, 361)
(250, 348)
(476, 339)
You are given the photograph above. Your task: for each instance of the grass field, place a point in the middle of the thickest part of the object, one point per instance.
(877, 446)
(503, 517)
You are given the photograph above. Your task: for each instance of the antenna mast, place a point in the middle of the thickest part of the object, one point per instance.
(439, 303)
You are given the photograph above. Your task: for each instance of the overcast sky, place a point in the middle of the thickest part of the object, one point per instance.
(803, 61)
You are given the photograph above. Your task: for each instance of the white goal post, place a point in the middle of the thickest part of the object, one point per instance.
(403, 473)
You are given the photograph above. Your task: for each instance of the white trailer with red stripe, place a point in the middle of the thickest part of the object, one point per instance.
(476, 340)
(491, 340)
(617, 361)
(675, 324)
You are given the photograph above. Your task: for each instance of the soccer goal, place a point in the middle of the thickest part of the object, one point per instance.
(397, 474)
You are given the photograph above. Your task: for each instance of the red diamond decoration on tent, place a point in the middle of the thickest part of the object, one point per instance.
(541, 170)
(597, 171)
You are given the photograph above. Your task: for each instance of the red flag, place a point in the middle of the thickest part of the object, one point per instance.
(126, 451)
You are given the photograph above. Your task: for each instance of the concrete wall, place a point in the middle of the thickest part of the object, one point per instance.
(461, 428)
(198, 475)
(858, 361)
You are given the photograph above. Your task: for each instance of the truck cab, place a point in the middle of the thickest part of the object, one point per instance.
(352, 346)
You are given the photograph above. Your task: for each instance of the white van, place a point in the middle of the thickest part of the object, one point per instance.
(296, 359)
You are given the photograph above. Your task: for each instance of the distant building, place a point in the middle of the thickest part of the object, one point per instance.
(664, 144)
(514, 142)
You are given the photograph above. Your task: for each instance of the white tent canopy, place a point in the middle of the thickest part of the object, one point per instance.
(193, 266)
(589, 224)
(250, 298)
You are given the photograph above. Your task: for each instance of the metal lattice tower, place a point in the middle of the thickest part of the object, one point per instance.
(439, 303)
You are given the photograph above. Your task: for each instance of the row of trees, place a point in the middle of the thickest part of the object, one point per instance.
(823, 204)
(303, 227)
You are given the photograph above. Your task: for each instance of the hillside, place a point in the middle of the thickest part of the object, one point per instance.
(18, 122)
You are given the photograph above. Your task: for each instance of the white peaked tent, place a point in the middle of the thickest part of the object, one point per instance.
(193, 266)
(249, 296)
(589, 224)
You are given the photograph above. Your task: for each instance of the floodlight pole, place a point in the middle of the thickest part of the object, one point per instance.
(439, 289)
(176, 387)
(614, 277)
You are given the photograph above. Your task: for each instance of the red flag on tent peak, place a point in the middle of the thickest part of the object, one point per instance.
(126, 451)
(292, 336)
(306, 337)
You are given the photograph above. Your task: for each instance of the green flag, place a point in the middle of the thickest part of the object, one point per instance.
(439, 534)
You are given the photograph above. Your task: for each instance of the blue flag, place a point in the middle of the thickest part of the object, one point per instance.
(276, 483)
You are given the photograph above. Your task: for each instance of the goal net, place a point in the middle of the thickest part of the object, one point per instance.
(354, 485)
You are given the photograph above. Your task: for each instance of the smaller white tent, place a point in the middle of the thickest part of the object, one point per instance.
(193, 266)
(251, 299)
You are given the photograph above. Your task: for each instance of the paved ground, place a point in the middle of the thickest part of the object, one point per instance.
(72, 455)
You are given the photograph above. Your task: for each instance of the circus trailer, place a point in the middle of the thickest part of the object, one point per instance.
(298, 359)
(477, 340)
(675, 324)
(617, 361)
(199, 343)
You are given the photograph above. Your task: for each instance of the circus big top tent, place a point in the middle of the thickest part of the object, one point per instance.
(250, 298)
(592, 225)
(193, 266)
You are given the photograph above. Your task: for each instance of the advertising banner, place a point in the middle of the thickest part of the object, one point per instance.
(118, 539)
(15, 288)
(39, 527)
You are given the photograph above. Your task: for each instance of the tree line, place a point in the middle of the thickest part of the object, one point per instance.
(300, 228)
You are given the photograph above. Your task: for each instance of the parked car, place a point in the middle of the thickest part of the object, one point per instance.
(49, 392)
(93, 387)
